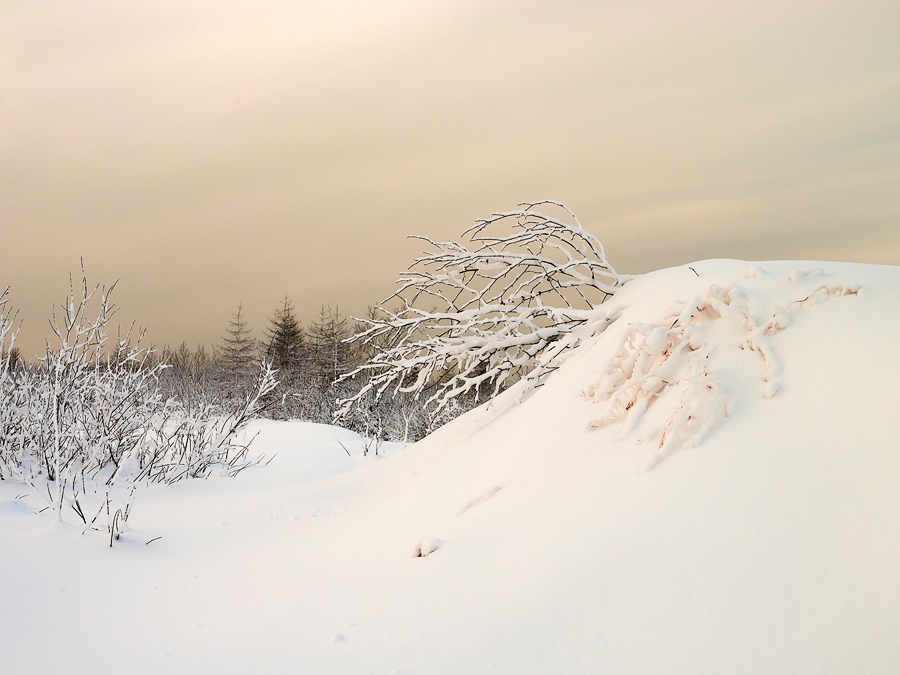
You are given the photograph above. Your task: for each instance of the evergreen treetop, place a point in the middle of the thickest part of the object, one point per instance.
(238, 350)
(286, 340)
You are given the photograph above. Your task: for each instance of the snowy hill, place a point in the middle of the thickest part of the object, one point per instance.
(710, 485)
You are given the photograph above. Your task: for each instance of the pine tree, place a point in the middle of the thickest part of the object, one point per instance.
(238, 350)
(286, 345)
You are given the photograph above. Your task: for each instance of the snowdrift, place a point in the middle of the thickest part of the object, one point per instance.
(709, 485)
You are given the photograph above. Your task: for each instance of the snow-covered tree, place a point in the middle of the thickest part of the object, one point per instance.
(484, 314)
(9, 353)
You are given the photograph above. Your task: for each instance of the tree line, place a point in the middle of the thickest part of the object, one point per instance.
(311, 361)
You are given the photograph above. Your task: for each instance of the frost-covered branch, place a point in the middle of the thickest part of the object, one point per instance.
(7, 335)
(504, 306)
(88, 422)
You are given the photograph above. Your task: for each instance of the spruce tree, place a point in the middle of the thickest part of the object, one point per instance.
(285, 339)
(238, 350)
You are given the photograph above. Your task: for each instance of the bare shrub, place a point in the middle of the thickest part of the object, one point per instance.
(88, 422)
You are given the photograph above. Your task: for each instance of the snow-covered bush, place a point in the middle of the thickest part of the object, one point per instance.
(505, 309)
(13, 391)
(88, 422)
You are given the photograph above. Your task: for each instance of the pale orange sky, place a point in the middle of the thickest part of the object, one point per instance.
(209, 153)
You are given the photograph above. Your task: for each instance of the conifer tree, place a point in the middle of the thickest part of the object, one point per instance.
(238, 350)
(285, 339)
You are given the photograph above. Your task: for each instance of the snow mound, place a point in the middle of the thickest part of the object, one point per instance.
(690, 344)
(708, 484)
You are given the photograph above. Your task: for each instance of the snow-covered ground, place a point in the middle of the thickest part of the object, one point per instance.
(711, 485)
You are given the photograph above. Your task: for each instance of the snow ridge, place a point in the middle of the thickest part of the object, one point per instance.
(678, 352)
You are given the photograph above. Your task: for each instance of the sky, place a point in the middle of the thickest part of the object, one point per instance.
(209, 153)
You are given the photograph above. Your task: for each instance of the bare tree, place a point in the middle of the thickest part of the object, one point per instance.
(9, 353)
(13, 395)
(330, 354)
(190, 376)
(499, 310)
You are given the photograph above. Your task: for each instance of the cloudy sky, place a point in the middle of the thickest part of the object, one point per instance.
(211, 152)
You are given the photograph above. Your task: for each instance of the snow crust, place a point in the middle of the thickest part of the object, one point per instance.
(709, 485)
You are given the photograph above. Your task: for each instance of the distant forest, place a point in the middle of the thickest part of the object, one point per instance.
(310, 361)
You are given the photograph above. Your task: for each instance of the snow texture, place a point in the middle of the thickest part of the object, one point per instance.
(679, 352)
(772, 546)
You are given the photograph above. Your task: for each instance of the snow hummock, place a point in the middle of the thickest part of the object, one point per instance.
(709, 485)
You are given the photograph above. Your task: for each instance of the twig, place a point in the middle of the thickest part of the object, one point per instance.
(343, 446)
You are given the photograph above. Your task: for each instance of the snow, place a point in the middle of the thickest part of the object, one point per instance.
(740, 516)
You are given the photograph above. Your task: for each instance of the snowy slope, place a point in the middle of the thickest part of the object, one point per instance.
(710, 485)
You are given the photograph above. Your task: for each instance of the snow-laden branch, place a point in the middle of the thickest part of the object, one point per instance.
(7, 335)
(89, 419)
(504, 306)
